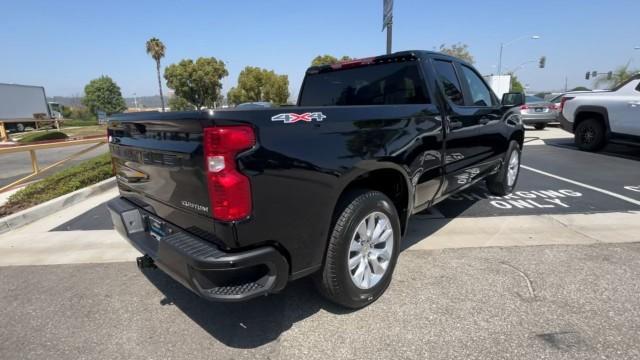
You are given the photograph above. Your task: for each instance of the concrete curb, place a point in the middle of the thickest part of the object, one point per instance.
(39, 211)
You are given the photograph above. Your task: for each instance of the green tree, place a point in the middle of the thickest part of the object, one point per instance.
(103, 94)
(257, 84)
(156, 49)
(198, 82)
(516, 85)
(620, 75)
(176, 103)
(82, 113)
(580, 88)
(459, 50)
(328, 60)
(66, 111)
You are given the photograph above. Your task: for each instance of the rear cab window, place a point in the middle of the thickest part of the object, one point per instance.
(396, 83)
(449, 80)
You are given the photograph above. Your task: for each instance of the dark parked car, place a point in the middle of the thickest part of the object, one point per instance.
(234, 204)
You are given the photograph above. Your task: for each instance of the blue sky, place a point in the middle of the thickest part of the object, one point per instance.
(62, 45)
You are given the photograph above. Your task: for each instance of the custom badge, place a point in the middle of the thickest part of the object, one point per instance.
(290, 118)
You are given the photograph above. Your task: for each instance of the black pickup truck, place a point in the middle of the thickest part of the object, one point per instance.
(236, 203)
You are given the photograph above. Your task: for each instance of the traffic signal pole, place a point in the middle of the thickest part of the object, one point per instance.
(389, 36)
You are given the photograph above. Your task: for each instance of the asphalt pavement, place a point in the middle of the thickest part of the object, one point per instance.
(17, 165)
(561, 302)
(551, 271)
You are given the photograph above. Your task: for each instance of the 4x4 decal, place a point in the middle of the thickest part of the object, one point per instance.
(290, 118)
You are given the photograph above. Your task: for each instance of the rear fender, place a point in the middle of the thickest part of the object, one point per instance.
(600, 110)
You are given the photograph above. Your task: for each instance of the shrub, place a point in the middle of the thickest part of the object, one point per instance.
(80, 122)
(82, 113)
(71, 179)
(42, 136)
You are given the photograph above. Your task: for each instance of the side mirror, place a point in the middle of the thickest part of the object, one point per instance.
(513, 99)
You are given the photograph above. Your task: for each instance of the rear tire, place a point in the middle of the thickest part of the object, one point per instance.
(504, 181)
(590, 135)
(356, 252)
(540, 126)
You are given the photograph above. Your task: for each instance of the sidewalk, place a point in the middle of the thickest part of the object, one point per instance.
(34, 244)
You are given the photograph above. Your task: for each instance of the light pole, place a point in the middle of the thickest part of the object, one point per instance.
(135, 101)
(522, 65)
(503, 45)
(632, 57)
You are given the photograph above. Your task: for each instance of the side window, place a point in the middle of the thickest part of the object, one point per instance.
(449, 80)
(480, 93)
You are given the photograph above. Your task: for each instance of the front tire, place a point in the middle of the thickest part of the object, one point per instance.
(589, 135)
(363, 250)
(504, 181)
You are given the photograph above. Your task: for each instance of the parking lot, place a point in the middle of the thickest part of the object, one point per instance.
(551, 271)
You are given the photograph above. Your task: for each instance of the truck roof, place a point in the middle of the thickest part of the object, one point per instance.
(208, 114)
(406, 54)
(622, 84)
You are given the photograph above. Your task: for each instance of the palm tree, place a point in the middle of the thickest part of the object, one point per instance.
(156, 48)
(618, 76)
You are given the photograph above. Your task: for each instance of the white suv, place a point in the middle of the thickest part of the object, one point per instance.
(605, 116)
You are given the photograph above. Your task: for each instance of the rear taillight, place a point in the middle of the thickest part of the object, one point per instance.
(562, 101)
(524, 107)
(552, 107)
(229, 189)
(113, 164)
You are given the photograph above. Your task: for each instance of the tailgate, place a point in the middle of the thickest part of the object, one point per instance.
(158, 160)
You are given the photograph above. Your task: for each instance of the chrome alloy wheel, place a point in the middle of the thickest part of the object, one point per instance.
(513, 168)
(370, 250)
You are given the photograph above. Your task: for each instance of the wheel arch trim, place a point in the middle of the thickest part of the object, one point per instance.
(362, 171)
(601, 110)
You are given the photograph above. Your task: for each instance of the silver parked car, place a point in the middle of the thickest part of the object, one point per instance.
(537, 112)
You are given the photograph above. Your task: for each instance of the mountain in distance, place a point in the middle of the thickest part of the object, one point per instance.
(143, 101)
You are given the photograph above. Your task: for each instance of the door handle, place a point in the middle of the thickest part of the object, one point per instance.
(484, 120)
(634, 103)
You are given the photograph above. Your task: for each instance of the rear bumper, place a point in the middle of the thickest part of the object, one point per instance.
(565, 124)
(529, 119)
(198, 264)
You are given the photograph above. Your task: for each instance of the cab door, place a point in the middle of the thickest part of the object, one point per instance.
(624, 111)
(473, 141)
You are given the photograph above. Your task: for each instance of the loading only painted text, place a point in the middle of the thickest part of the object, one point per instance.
(533, 199)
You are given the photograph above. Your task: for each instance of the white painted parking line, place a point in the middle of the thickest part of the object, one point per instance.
(633, 188)
(586, 186)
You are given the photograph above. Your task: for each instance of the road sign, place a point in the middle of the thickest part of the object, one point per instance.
(387, 13)
(102, 117)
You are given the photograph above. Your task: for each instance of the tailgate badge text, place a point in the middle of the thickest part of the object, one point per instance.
(290, 118)
(194, 206)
